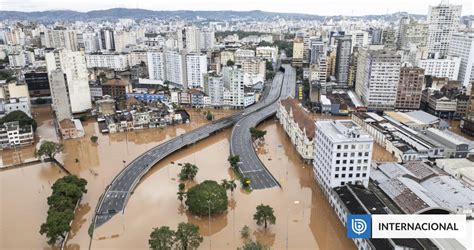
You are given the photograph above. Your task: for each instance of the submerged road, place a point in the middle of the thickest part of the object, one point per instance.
(117, 193)
(241, 142)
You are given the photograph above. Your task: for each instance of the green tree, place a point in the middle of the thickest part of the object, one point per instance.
(257, 134)
(225, 184)
(70, 186)
(264, 215)
(187, 236)
(230, 63)
(188, 172)
(181, 196)
(22, 118)
(94, 139)
(181, 186)
(233, 160)
(162, 238)
(245, 232)
(49, 149)
(253, 245)
(208, 192)
(209, 116)
(232, 185)
(66, 193)
(40, 101)
(57, 225)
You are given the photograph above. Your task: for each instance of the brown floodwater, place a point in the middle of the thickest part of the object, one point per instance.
(97, 163)
(23, 206)
(304, 218)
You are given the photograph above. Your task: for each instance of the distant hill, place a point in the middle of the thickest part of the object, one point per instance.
(68, 15)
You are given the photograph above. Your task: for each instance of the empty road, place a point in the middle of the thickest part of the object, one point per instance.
(117, 193)
(241, 142)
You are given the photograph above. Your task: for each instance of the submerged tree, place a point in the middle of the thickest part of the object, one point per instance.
(162, 238)
(187, 236)
(188, 172)
(49, 149)
(264, 215)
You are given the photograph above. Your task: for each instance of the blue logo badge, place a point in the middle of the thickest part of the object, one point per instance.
(359, 226)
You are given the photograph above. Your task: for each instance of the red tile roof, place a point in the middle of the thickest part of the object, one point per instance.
(300, 116)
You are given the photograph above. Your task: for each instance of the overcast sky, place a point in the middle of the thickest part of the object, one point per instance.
(320, 7)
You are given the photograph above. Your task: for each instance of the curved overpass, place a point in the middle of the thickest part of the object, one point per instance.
(116, 195)
(241, 142)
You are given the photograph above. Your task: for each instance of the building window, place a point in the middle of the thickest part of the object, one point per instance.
(364, 175)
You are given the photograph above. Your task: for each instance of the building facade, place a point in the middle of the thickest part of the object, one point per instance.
(409, 88)
(342, 154)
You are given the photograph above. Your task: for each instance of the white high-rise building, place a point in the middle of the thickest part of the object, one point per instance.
(73, 64)
(175, 67)
(207, 40)
(342, 154)
(193, 39)
(447, 67)
(196, 69)
(90, 42)
(115, 61)
(61, 39)
(234, 82)
(378, 73)
(359, 38)
(60, 95)
(462, 46)
(443, 21)
(215, 90)
(156, 65)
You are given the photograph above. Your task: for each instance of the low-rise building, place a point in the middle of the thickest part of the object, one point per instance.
(117, 88)
(15, 104)
(71, 129)
(14, 135)
(407, 143)
(298, 125)
(355, 199)
(416, 188)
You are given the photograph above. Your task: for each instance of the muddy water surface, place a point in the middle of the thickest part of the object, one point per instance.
(304, 218)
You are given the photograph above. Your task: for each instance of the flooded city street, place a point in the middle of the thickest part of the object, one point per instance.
(304, 217)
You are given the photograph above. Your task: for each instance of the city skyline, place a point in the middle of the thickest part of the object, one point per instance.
(350, 8)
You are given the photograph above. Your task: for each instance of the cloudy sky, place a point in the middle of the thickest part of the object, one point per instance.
(321, 7)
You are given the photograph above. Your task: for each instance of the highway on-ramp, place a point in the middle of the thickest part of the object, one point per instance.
(241, 142)
(117, 193)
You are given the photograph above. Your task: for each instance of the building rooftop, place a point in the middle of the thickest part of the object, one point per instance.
(115, 82)
(67, 124)
(359, 200)
(415, 187)
(304, 121)
(423, 116)
(343, 131)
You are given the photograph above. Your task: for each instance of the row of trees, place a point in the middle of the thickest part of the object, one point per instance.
(185, 237)
(66, 193)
